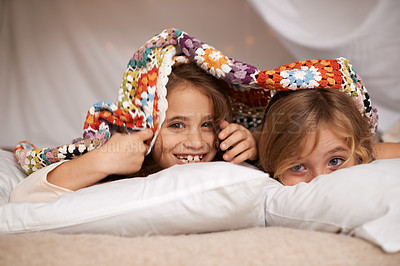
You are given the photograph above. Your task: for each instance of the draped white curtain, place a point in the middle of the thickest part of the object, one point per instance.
(59, 57)
(367, 32)
(50, 70)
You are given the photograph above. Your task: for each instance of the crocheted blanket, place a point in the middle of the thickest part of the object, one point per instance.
(142, 103)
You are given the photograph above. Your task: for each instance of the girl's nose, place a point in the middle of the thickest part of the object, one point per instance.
(194, 140)
(318, 172)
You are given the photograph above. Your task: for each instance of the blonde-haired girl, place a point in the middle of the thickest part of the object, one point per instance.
(307, 133)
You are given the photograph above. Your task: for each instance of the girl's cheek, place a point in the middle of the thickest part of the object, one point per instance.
(169, 141)
(210, 137)
(288, 178)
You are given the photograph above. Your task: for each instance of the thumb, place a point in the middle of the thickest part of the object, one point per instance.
(144, 134)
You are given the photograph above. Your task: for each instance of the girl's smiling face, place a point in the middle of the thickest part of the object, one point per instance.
(188, 132)
(330, 153)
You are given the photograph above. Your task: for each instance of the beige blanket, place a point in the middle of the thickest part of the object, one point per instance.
(255, 246)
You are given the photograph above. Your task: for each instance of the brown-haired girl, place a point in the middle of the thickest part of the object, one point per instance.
(197, 110)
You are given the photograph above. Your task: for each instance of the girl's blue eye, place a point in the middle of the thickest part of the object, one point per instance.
(336, 161)
(298, 167)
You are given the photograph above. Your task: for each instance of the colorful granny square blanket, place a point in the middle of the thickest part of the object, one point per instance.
(142, 103)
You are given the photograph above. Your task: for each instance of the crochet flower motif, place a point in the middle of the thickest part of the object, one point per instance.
(189, 45)
(213, 61)
(143, 56)
(241, 73)
(303, 78)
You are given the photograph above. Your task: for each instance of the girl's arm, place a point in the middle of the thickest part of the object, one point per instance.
(386, 150)
(35, 187)
(122, 154)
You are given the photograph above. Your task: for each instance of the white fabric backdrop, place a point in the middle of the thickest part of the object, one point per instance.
(365, 31)
(58, 57)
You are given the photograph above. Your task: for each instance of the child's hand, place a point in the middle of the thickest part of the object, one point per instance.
(124, 153)
(242, 142)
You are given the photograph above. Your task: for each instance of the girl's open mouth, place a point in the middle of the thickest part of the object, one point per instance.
(195, 158)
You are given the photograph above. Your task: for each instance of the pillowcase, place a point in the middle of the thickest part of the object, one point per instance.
(183, 199)
(363, 201)
(10, 175)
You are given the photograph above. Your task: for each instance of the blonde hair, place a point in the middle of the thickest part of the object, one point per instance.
(291, 116)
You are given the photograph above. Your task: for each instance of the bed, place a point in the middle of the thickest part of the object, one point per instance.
(252, 246)
(212, 213)
(224, 215)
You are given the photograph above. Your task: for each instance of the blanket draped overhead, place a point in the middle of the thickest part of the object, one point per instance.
(142, 103)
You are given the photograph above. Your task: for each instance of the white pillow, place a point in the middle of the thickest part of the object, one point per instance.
(363, 201)
(10, 175)
(183, 199)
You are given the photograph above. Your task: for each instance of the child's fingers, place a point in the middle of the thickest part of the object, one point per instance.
(232, 153)
(140, 137)
(238, 142)
(227, 129)
(223, 124)
(129, 143)
(241, 158)
(239, 154)
(144, 134)
(235, 138)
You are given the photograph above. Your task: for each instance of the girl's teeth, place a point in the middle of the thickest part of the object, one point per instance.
(190, 158)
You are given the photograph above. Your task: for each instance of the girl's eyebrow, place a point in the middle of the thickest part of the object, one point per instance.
(184, 118)
(334, 150)
(338, 149)
(209, 117)
(177, 117)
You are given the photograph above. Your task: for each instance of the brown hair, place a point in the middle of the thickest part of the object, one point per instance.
(290, 116)
(209, 86)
